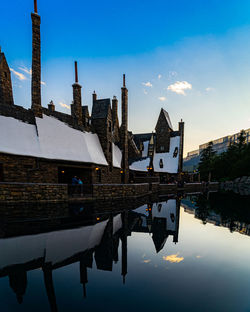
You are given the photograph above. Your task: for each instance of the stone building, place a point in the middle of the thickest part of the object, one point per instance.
(42, 145)
(162, 151)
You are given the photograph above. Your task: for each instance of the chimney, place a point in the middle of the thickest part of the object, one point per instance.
(94, 96)
(51, 106)
(36, 105)
(124, 132)
(76, 106)
(181, 130)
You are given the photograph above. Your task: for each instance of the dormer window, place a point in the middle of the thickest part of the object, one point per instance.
(175, 152)
(161, 163)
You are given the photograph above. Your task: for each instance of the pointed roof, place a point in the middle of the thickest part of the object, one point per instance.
(100, 108)
(167, 118)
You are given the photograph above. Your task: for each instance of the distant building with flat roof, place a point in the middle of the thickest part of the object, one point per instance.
(190, 163)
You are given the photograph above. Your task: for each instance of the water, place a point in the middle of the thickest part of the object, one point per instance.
(189, 254)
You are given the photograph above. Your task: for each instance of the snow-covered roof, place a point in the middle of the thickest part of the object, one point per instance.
(50, 139)
(117, 156)
(140, 165)
(170, 163)
(53, 247)
(166, 210)
(145, 149)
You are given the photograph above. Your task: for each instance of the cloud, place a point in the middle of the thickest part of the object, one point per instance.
(43, 83)
(147, 84)
(209, 89)
(64, 105)
(145, 91)
(172, 74)
(147, 261)
(162, 98)
(26, 70)
(20, 76)
(173, 258)
(159, 76)
(180, 87)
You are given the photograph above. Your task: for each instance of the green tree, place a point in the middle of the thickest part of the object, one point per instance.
(206, 164)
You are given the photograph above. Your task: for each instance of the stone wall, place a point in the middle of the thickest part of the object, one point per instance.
(31, 192)
(107, 191)
(17, 112)
(28, 169)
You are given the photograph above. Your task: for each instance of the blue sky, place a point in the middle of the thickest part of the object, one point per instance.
(190, 57)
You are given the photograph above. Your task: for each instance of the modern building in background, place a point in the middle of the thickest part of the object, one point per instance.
(190, 163)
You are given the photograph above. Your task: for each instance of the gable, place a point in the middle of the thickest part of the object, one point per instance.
(163, 121)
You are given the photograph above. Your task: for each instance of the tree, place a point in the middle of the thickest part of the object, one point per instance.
(206, 162)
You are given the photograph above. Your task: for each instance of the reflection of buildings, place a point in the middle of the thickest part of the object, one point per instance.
(161, 219)
(209, 216)
(53, 250)
(85, 244)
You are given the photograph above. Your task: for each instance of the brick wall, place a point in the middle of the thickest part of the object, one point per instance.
(30, 192)
(106, 191)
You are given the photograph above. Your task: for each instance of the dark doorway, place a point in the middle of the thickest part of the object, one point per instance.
(65, 174)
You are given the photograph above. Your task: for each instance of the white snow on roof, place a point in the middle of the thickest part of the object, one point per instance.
(166, 210)
(53, 247)
(140, 165)
(170, 163)
(117, 156)
(145, 149)
(17, 137)
(55, 140)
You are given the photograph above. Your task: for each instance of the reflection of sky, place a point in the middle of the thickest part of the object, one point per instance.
(209, 271)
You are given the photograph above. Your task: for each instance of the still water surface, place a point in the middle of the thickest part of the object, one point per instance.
(189, 254)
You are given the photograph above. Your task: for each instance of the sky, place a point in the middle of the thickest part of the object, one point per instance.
(191, 57)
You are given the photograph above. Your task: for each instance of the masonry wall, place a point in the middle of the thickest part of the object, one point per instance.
(30, 192)
(28, 169)
(107, 191)
(107, 176)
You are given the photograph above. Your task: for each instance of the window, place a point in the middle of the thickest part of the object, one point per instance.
(175, 152)
(110, 147)
(5, 74)
(110, 126)
(161, 163)
(162, 148)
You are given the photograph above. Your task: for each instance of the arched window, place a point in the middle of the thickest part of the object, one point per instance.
(161, 163)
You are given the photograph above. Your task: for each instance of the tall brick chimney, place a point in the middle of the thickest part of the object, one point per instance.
(36, 105)
(115, 119)
(76, 107)
(181, 130)
(124, 132)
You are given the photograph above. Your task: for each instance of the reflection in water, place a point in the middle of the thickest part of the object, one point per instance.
(97, 243)
(221, 210)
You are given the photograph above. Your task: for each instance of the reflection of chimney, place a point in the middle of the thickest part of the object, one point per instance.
(124, 245)
(83, 277)
(48, 280)
(36, 64)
